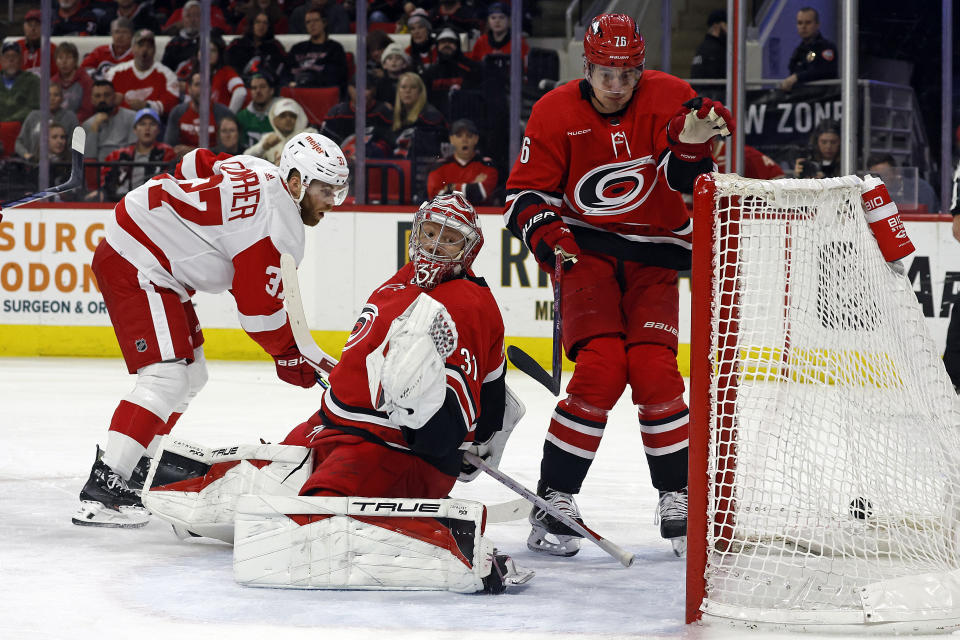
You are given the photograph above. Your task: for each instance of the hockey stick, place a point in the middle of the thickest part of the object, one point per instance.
(523, 361)
(622, 555)
(76, 174)
(507, 511)
(311, 352)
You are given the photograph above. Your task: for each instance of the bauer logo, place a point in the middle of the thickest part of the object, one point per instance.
(661, 326)
(616, 188)
(141, 345)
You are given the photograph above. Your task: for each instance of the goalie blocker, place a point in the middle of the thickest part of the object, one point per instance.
(368, 543)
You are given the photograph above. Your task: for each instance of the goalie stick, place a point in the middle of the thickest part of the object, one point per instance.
(311, 352)
(622, 555)
(524, 362)
(76, 174)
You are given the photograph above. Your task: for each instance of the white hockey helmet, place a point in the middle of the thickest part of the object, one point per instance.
(316, 157)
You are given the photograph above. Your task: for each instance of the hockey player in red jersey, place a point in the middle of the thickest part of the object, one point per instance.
(220, 223)
(405, 400)
(597, 183)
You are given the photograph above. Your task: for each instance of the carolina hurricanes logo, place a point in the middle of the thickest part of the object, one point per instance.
(363, 324)
(616, 188)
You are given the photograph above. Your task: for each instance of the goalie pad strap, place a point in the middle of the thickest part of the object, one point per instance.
(361, 543)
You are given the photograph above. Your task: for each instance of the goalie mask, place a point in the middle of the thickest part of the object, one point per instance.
(316, 157)
(444, 241)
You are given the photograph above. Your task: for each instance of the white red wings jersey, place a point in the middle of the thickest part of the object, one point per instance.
(477, 358)
(221, 223)
(604, 174)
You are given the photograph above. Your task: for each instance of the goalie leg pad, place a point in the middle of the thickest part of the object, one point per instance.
(195, 488)
(367, 543)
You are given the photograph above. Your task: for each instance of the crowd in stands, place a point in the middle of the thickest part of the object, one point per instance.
(140, 107)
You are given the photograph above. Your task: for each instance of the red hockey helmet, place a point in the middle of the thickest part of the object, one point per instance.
(614, 40)
(449, 246)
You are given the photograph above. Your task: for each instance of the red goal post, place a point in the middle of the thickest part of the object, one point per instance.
(824, 485)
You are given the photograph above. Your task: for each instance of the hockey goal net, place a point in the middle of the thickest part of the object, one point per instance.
(824, 444)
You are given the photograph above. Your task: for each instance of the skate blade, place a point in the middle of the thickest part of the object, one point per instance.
(94, 514)
(679, 546)
(566, 546)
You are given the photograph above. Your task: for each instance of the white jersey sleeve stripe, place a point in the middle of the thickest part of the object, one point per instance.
(159, 318)
(255, 324)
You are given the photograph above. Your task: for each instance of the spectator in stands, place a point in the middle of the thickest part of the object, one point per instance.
(140, 14)
(58, 156)
(254, 119)
(455, 15)
(466, 171)
(453, 71)
(288, 119)
(75, 82)
(278, 19)
(823, 157)
(756, 163)
(226, 87)
(395, 62)
(119, 50)
(377, 41)
(110, 127)
(185, 43)
(883, 164)
(422, 48)
(183, 125)
(175, 23)
(338, 21)
(28, 140)
(30, 44)
(497, 39)
(20, 90)
(815, 58)
(258, 50)
(412, 113)
(340, 123)
(74, 18)
(229, 137)
(150, 155)
(144, 82)
(319, 61)
(710, 58)
(385, 10)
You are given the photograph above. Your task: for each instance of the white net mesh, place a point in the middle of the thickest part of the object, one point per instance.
(834, 436)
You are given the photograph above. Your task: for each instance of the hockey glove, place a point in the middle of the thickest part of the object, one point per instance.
(547, 236)
(691, 131)
(293, 369)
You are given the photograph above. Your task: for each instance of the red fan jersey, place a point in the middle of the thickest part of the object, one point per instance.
(157, 85)
(221, 223)
(756, 164)
(605, 174)
(31, 58)
(463, 177)
(98, 61)
(477, 358)
(222, 85)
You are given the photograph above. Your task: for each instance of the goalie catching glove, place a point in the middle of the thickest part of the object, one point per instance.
(691, 131)
(406, 373)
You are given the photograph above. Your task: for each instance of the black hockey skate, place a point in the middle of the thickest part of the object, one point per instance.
(549, 535)
(107, 501)
(139, 476)
(672, 516)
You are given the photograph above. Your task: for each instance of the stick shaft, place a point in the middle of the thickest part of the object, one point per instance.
(622, 555)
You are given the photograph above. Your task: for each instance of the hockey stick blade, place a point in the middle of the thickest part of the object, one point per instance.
(622, 555)
(76, 174)
(525, 362)
(311, 352)
(508, 511)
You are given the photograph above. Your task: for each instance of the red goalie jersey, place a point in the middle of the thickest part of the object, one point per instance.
(605, 175)
(476, 362)
(220, 224)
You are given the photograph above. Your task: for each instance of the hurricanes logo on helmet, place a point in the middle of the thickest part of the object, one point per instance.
(616, 188)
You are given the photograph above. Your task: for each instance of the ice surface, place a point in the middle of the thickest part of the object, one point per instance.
(58, 580)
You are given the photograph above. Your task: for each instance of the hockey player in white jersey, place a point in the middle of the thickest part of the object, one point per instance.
(219, 223)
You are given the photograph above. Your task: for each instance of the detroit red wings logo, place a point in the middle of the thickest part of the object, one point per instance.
(616, 188)
(363, 325)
